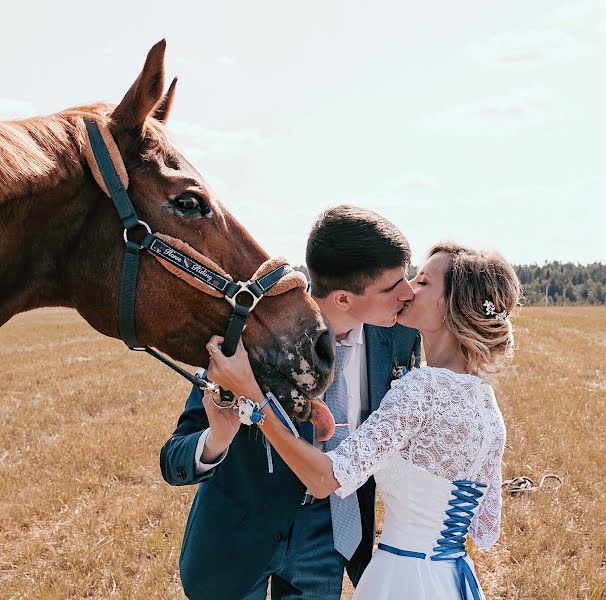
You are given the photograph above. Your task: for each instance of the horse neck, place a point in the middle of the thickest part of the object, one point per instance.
(37, 231)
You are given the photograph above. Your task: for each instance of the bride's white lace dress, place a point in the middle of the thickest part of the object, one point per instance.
(435, 433)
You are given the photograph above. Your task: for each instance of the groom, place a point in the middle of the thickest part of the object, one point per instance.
(250, 523)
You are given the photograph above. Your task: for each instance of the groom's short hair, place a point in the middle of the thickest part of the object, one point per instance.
(349, 247)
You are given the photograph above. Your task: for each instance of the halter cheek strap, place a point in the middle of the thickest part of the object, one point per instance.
(273, 277)
(99, 171)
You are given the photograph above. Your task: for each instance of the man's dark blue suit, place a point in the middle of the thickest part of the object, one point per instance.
(241, 511)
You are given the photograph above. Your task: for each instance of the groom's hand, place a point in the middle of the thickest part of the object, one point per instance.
(232, 373)
(224, 424)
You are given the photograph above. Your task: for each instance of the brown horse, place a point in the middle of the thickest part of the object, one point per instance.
(61, 241)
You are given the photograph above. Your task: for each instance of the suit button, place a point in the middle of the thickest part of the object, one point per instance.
(181, 475)
(278, 537)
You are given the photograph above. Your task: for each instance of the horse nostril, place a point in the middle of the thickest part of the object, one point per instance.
(325, 350)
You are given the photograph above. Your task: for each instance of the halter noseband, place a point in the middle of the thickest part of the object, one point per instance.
(273, 277)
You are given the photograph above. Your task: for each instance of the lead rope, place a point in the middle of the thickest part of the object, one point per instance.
(522, 484)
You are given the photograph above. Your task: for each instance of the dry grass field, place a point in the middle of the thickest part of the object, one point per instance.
(84, 512)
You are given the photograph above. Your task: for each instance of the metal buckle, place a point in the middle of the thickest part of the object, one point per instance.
(244, 288)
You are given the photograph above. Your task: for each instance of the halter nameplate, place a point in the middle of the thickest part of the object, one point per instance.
(189, 265)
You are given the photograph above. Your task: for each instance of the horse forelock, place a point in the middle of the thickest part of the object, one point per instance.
(40, 152)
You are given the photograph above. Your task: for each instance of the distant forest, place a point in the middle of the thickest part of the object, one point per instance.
(557, 283)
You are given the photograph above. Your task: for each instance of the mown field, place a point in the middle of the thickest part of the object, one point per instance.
(84, 512)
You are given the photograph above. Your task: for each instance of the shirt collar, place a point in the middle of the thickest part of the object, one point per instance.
(355, 336)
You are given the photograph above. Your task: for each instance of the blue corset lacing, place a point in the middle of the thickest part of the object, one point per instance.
(451, 546)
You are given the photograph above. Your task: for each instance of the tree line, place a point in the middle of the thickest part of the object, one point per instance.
(555, 283)
(563, 283)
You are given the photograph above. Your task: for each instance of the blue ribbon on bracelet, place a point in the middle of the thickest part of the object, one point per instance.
(280, 412)
(284, 418)
(251, 414)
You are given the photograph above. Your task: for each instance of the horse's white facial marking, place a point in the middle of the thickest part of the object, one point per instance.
(303, 375)
(300, 369)
(292, 370)
(298, 401)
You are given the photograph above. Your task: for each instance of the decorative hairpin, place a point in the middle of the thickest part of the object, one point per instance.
(490, 311)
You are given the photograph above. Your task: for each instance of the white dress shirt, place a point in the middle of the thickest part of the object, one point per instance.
(204, 467)
(356, 376)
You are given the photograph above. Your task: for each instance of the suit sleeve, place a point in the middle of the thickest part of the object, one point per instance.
(178, 455)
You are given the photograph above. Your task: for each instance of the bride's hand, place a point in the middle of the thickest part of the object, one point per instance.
(232, 373)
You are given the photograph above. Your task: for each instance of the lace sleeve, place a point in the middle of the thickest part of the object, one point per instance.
(384, 434)
(486, 524)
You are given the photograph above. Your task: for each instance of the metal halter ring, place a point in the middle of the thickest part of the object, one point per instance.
(215, 392)
(142, 223)
(244, 288)
(220, 405)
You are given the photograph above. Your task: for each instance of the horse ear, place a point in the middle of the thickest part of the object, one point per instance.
(162, 109)
(145, 92)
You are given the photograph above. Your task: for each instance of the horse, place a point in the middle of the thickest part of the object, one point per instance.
(61, 241)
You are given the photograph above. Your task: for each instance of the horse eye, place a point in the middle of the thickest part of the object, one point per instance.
(189, 203)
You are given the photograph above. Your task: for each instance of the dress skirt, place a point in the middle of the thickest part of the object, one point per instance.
(392, 577)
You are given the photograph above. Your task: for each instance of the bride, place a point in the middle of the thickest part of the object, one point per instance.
(435, 444)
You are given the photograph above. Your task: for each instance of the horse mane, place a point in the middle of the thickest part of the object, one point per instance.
(40, 152)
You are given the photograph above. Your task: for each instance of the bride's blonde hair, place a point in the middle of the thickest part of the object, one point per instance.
(473, 279)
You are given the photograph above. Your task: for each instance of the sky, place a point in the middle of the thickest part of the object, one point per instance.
(478, 121)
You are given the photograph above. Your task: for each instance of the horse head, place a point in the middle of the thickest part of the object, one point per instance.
(289, 344)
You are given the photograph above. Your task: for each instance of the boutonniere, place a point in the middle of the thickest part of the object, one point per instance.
(413, 362)
(397, 370)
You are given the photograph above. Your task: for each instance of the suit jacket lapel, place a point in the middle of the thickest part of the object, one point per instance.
(379, 353)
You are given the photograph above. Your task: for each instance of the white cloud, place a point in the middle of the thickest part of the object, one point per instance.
(500, 115)
(531, 49)
(528, 223)
(225, 60)
(15, 109)
(586, 196)
(184, 61)
(209, 144)
(401, 188)
(581, 13)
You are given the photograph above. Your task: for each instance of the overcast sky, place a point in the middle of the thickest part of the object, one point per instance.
(471, 120)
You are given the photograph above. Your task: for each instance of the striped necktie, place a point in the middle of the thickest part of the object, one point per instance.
(346, 523)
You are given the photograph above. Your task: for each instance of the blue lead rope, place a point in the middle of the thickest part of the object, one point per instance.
(451, 546)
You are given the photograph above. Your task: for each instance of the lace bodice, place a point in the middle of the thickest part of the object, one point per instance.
(439, 421)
